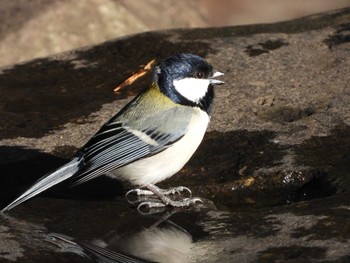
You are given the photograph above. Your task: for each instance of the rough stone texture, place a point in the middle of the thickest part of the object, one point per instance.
(38, 28)
(275, 162)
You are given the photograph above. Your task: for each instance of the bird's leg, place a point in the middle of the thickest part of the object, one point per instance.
(166, 201)
(174, 190)
(147, 204)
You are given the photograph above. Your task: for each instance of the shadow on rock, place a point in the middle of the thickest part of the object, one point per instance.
(244, 169)
(70, 87)
(21, 167)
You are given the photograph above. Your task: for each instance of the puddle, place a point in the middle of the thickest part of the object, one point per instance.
(301, 254)
(110, 225)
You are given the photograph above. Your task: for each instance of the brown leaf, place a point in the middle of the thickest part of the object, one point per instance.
(135, 76)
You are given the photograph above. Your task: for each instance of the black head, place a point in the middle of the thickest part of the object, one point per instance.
(187, 79)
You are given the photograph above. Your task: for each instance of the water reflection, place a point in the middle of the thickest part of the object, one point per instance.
(19, 238)
(101, 231)
(164, 241)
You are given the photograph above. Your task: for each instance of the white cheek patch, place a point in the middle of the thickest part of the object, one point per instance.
(191, 88)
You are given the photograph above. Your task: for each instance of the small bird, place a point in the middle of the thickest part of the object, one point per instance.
(151, 138)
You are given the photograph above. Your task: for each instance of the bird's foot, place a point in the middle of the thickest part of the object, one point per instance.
(155, 190)
(146, 206)
(162, 201)
(170, 191)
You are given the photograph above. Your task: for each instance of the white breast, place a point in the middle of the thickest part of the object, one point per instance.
(168, 162)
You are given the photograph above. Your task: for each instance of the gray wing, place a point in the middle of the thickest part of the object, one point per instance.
(116, 144)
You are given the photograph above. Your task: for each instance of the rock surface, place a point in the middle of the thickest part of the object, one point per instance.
(275, 161)
(39, 28)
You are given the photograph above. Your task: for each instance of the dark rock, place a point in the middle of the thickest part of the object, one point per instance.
(275, 161)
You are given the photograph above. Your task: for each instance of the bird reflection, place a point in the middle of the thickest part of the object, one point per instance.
(166, 243)
(90, 250)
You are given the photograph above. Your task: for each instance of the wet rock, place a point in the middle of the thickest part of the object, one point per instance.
(275, 161)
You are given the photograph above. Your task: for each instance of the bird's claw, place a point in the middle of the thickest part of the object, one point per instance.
(143, 192)
(174, 190)
(138, 191)
(149, 205)
(178, 190)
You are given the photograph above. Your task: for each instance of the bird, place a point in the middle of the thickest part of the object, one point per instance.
(151, 138)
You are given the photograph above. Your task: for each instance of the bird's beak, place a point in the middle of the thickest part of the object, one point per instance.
(215, 81)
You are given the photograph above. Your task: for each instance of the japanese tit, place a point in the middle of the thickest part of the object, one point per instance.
(151, 138)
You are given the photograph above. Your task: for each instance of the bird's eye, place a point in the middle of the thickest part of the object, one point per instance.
(199, 75)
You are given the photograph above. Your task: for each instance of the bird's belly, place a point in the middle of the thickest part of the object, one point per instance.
(168, 162)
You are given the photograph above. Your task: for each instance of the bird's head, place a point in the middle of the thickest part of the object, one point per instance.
(188, 80)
